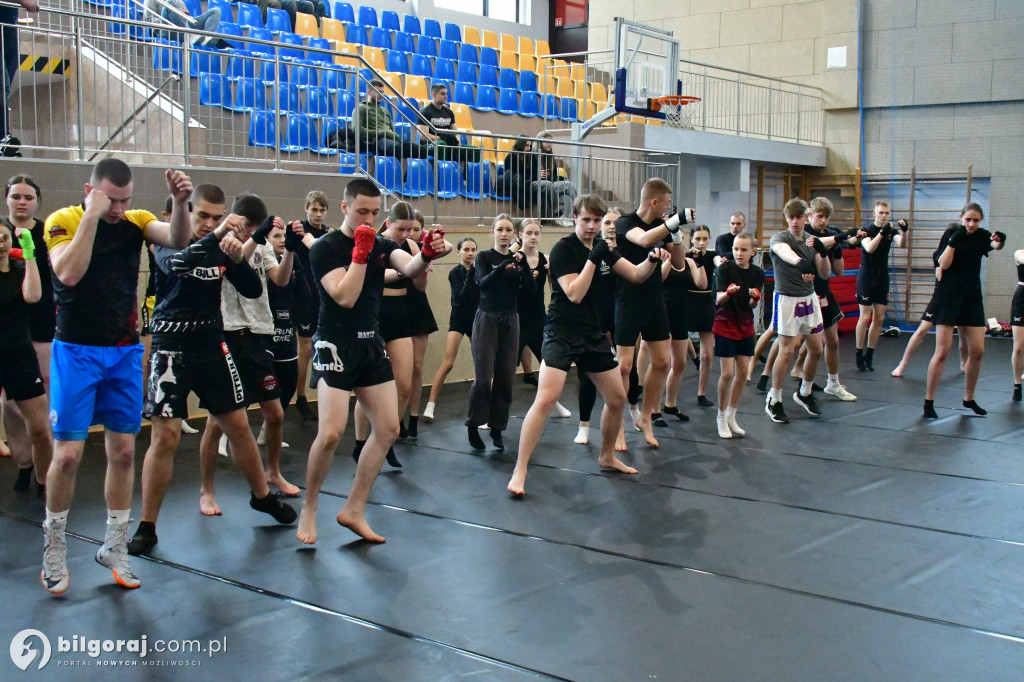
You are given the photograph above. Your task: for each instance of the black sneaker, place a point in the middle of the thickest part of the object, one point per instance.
(776, 411)
(499, 444)
(530, 378)
(10, 146)
(144, 540)
(272, 504)
(1016, 393)
(861, 366)
(475, 441)
(674, 411)
(808, 402)
(24, 480)
(762, 383)
(658, 420)
(307, 414)
(704, 402)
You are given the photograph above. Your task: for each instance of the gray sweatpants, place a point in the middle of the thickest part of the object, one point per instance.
(495, 347)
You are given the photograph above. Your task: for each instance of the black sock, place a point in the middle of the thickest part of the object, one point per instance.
(475, 441)
(393, 459)
(358, 449)
(414, 424)
(1016, 392)
(976, 407)
(146, 528)
(24, 479)
(929, 409)
(496, 439)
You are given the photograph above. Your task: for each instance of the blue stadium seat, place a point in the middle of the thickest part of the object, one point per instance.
(495, 191)
(478, 181)
(260, 33)
(324, 57)
(444, 69)
(348, 162)
(407, 112)
(355, 34)
(570, 110)
(387, 170)
(227, 11)
(288, 98)
(427, 46)
(343, 12)
(446, 49)
(411, 24)
(335, 79)
(248, 15)
(296, 52)
(422, 66)
(529, 104)
(449, 180)
(489, 56)
(528, 81)
(233, 30)
(367, 16)
(432, 28)
(329, 126)
(346, 103)
(266, 72)
(452, 32)
(304, 74)
(464, 94)
(508, 101)
(552, 109)
(250, 95)
(489, 76)
(263, 129)
(278, 21)
(204, 60)
(193, 7)
(167, 55)
(405, 42)
(486, 98)
(381, 37)
(319, 103)
(469, 53)
(507, 79)
(398, 62)
(419, 178)
(214, 90)
(466, 72)
(241, 64)
(297, 133)
(389, 20)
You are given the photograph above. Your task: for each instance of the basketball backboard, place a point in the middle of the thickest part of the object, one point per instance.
(646, 66)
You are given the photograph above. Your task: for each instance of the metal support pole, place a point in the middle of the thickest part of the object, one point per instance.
(77, 28)
(908, 242)
(186, 91)
(277, 112)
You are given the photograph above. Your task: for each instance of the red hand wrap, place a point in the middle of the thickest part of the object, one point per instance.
(365, 237)
(427, 250)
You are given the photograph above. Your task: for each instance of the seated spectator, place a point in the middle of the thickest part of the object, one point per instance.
(440, 116)
(377, 131)
(555, 194)
(521, 170)
(264, 4)
(175, 12)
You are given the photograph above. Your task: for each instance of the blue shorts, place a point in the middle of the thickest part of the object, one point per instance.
(95, 385)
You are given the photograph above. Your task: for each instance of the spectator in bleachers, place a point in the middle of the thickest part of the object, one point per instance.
(175, 12)
(267, 4)
(521, 170)
(555, 195)
(377, 131)
(440, 116)
(304, 6)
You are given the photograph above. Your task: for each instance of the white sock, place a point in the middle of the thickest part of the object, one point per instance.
(730, 412)
(833, 379)
(775, 394)
(722, 414)
(634, 412)
(805, 387)
(583, 437)
(56, 516)
(119, 515)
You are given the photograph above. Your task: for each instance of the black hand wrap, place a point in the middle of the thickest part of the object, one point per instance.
(820, 247)
(807, 267)
(598, 253)
(259, 235)
(292, 241)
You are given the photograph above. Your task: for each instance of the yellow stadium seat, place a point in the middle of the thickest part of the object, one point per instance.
(463, 119)
(416, 88)
(491, 39)
(394, 80)
(486, 144)
(504, 147)
(508, 42)
(508, 60)
(345, 48)
(526, 46)
(580, 89)
(542, 48)
(470, 35)
(305, 25)
(332, 29)
(598, 92)
(577, 72)
(527, 62)
(563, 87)
(375, 57)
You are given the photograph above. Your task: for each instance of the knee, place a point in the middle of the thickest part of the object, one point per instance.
(660, 364)
(625, 367)
(165, 442)
(388, 431)
(122, 458)
(615, 402)
(273, 413)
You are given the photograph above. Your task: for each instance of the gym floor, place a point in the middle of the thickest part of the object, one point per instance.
(866, 544)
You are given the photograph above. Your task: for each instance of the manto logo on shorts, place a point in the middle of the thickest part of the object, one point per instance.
(24, 654)
(326, 358)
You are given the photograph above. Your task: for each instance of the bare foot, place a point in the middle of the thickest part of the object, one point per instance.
(620, 442)
(4, 450)
(517, 486)
(615, 464)
(358, 525)
(645, 426)
(898, 372)
(208, 505)
(307, 525)
(286, 488)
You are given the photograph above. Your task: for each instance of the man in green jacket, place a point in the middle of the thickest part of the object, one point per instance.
(377, 131)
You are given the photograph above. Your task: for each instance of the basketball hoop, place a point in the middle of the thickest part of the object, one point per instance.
(677, 115)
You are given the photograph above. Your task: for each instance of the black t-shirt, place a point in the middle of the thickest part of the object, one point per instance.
(13, 310)
(821, 285)
(43, 314)
(704, 260)
(651, 289)
(723, 245)
(962, 279)
(734, 318)
(877, 263)
(499, 285)
(569, 256)
(402, 282)
(532, 300)
(602, 291)
(283, 344)
(333, 251)
(301, 266)
(442, 118)
(465, 293)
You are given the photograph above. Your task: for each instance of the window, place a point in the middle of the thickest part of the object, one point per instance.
(469, 6)
(503, 10)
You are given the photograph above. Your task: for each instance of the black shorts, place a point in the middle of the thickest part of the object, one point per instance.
(175, 372)
(394, 318)
(348, 363)
(305, 319)
(421, 317)
(831, 311)
(700, 312)
(591, 352)
(255, 363)
(933, 306)
(872, 289)
(461, 323)
(42, 321)
(730, 348)
(967, 312)
(19, 375)
(677, 319)
(632, 320)
(1017, 308)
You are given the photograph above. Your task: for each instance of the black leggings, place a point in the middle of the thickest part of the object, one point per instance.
(288, 378)
(588, 396)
